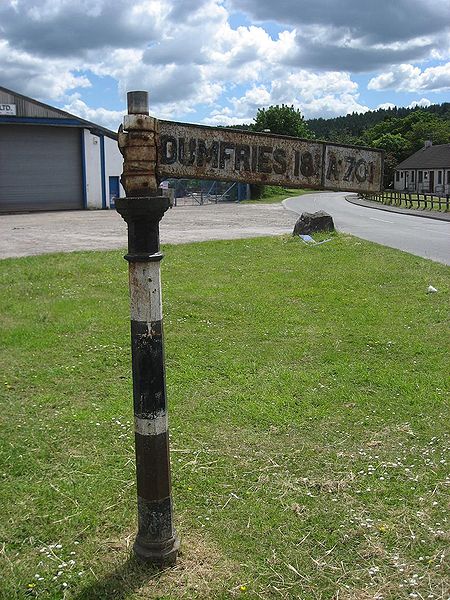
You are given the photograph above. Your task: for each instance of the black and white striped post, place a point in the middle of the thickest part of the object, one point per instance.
(142, 209)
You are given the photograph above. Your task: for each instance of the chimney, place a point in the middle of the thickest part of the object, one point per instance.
(428, 143)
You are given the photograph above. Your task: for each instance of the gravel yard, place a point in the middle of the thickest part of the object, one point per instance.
(66, 231)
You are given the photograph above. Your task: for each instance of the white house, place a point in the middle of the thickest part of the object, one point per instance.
(52, 160)
(425, 171)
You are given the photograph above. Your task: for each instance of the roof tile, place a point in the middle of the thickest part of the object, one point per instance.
(432, 157)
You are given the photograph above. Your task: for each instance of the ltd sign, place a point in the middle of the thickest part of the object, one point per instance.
(8, 110)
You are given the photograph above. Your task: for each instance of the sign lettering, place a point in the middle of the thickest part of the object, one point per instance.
(194, 151)
(8, 109)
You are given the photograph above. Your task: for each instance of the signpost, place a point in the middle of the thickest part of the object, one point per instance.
(142, 209)
(154, 150)
(194, 151)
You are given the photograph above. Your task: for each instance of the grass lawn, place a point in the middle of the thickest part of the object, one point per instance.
(275, 194)
(309, 424)
(434, 203)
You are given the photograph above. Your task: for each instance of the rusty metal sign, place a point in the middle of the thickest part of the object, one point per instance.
(200, 152)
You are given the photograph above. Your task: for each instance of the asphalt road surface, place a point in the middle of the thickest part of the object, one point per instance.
(418, 235)
(67, 231)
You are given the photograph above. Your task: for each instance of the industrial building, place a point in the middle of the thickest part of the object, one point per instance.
(52, 160)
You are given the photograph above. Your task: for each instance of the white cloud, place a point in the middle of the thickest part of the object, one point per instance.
(423, 102)
(177, 68)
(101, 116)
(245, 55)
(247, 105)
(36, 77)
(190, 58)
(408, 78)
(383, 21)
(221, 118)
(64, 28)
(386, 105)
(305, 86)
(327, 95)
(333, 106)
(357, 36)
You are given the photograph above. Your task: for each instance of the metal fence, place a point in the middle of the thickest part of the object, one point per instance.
(409, 200)
(198, 199)
(206, 192)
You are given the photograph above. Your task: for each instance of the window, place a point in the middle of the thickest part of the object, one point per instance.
(401, 174)
(420, 175)
(397, 176)
(448, 177)
(439, 177)
(412, 176)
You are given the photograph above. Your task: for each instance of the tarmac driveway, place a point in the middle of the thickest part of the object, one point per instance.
(66, 231)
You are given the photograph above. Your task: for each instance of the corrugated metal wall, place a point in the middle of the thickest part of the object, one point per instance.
(40, 168)
(29, 108)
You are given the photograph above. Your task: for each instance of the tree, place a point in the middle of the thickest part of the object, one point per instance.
(429, 127)
(393, 143)
(401, 137)
(414, 129)
(341, 136)
(358, 123)
(283, 120)
(396, 148)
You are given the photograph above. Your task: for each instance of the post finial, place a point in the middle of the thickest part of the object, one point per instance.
(137, 143)
(137, 103)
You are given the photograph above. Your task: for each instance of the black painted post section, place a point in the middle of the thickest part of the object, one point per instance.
(156, 540)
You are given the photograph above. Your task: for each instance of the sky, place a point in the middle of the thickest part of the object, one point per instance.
(217, 61)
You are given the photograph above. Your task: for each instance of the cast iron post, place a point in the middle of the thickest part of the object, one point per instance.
(142, 209)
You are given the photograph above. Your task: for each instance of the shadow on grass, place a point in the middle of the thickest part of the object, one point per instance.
(123, 581)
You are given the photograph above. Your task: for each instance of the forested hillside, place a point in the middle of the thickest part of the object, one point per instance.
(397, 131)
(353, 125)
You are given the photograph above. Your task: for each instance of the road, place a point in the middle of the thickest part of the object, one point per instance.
(66, 231)
(418, 235)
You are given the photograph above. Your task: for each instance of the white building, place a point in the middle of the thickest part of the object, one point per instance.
(52, 160)
(425, 171)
